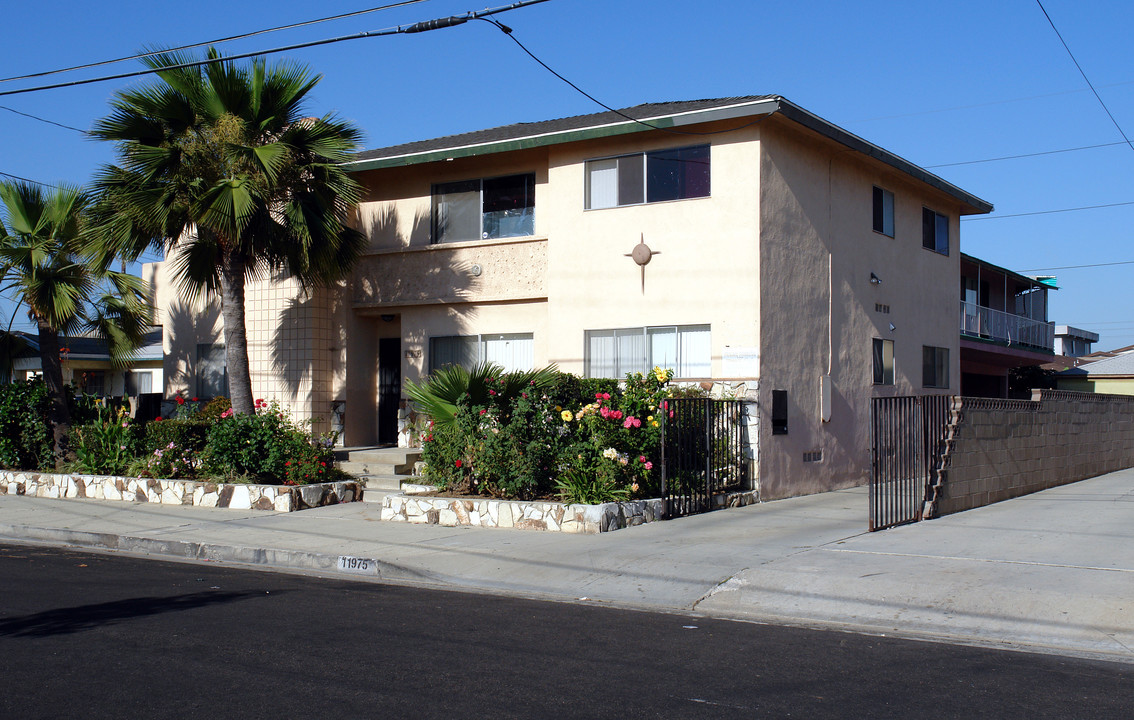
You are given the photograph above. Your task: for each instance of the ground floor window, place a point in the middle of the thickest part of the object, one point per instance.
(934, 367)
(212, 371)
(139, 382)
(883, 362)
(686, 349)
(512, 351)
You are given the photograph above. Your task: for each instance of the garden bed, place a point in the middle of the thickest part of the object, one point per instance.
(414, 507)
(236, 496)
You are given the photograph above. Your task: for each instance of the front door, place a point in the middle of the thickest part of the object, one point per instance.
(389, 389)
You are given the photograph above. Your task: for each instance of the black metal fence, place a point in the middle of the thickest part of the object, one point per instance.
(908, 443)
(704, 452)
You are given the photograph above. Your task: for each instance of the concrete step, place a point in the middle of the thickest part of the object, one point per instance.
(378, 461)
(370, 467)
(379, 486)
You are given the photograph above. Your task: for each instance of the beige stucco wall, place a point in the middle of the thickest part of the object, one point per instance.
(1103, 385)
(704, 272)
(817, 305)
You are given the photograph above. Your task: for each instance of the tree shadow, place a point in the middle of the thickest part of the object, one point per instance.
(187, 328)
(65, 621)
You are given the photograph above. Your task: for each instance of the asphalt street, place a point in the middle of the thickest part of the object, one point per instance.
(107, 636)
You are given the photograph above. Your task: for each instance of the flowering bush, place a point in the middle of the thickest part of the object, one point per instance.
(170, 461)
(107, 445)
(266, 447)
(519, 443)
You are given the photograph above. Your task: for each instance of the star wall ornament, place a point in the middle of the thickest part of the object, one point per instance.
(642, 254)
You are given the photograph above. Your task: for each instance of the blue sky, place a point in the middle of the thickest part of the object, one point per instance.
(933, 82)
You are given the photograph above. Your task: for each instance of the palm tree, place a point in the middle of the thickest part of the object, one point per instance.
(54, 270)
(219, 165)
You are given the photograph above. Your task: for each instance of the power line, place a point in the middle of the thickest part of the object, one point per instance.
(1047, 212)
(1025, 155)
(1076, 267)
(29, 180)
(508, 31)
(1080, 68)
(417, 27)
(43, 120)
(218, 41)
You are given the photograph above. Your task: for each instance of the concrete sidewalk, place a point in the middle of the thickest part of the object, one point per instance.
(1053, 571)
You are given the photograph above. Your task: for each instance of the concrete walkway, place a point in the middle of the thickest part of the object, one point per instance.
(1053, 571)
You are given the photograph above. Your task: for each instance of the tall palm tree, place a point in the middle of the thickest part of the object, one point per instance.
(54, 271)
(219, 165)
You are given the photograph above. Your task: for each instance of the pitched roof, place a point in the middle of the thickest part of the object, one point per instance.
(663, 115)
(1117, 365)
(94, 348)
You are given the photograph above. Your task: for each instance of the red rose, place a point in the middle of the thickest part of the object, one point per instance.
(157, 419)
(180, 400)
(458, 463)
(194, 399)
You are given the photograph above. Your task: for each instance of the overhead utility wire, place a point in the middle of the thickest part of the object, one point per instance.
(28, 180)
(508, 31)
(218, 41)
(43, 120)
(1046, 212)
(1025, 155)
(398, 30)
(1076, 267)
(1080, 68)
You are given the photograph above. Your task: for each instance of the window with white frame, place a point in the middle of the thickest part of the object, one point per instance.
(499, 207)
(883, 211)
(512, 351)
(654, 176)
(934, 231)
(934, 367)
(212, 371)
(685, 349)
(139, 382)
(883, 351)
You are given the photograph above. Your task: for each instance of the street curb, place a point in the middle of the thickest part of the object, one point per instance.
(211, 552)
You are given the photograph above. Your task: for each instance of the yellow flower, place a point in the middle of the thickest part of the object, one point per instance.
(654, 424)
(566, 415)
(660, 374)
(558, 409)
(650, 418)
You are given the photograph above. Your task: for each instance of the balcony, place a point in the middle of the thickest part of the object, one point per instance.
(982, 322)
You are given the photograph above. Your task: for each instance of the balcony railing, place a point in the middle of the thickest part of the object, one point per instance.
(982, 322)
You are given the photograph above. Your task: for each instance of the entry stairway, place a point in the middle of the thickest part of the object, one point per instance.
(381, 470)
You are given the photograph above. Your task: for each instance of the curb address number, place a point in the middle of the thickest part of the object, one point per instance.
(357, 565)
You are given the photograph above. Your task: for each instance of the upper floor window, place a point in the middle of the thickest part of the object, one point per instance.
(934, 231)
(481, 209)
(654, 176)
(685, 349)
(512, 351)
(883, 211)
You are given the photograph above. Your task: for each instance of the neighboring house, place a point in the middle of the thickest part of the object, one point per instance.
(87, 365)
(1004, 326)
(1073, 342)
(1112, 376)
(748, 244)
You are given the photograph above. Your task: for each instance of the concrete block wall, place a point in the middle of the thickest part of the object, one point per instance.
(1000, 449)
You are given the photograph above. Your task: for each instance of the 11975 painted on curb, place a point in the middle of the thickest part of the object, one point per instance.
(357, 565)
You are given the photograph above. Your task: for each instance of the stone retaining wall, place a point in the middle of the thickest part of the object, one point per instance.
(279, 498)
(532, 515)
(1000, 449)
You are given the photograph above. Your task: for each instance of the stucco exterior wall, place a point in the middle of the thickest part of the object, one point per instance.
(1102, 385)
(818, 305)
(705, 269)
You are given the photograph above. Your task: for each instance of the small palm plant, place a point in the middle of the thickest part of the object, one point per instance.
(437, 396)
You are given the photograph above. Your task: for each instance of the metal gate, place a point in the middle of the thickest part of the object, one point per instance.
(704, 452)
(907, 444)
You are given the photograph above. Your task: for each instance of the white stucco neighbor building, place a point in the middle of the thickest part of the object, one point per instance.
(740, 241)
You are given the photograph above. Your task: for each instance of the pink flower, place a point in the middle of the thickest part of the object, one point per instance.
(532, 383)
(598, 396)
(605, 412)
(617, 414)
(641, 458)
(491, 392)
(632, 421)
(606, 396)
(649, 466)
(483, 412)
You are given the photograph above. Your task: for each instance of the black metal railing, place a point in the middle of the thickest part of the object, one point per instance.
(908, 439)
(704, 452)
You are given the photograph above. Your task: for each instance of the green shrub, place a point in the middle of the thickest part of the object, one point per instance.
(266, 446)
(171, 461)
(24, 440)
(106, 446)
(189, 434)
(588, 488)
(213, 410)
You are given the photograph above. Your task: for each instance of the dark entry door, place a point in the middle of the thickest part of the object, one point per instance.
(389, 389)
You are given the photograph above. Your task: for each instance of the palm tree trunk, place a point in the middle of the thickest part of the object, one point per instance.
(58, 412)
(235, 335)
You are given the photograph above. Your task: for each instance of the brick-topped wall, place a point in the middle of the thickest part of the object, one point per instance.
(1000, 449)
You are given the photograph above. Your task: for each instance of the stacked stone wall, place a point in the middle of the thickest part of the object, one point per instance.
(1001, 449)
